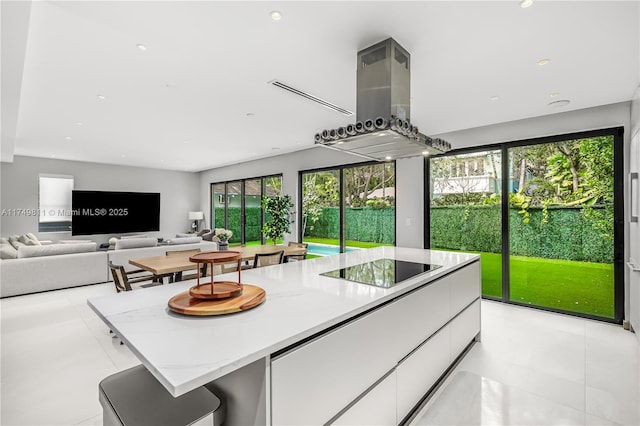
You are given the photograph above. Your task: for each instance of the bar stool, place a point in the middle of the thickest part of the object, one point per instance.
(134, 397)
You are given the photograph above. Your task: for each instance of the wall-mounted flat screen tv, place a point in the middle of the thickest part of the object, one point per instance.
(104, 212)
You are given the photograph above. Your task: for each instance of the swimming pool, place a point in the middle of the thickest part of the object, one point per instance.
(325, 249)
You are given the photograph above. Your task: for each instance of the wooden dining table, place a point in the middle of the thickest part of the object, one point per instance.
(159, 265)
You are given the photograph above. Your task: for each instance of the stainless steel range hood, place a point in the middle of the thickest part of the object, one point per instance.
(383, 130)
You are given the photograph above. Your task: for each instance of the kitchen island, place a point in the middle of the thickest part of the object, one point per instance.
(320, 349)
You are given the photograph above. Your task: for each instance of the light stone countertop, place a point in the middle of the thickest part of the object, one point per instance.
(184, 352)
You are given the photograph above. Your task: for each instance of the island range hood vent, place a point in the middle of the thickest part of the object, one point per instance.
(383, 130)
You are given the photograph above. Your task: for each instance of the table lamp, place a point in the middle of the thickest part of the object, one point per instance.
(195, 217)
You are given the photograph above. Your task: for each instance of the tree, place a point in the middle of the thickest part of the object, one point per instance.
(311, 203)
(277, 208)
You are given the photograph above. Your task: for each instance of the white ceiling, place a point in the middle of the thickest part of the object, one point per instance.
(182, 104)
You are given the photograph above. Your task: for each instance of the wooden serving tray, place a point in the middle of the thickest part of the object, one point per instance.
(221, 290)
(251, 297)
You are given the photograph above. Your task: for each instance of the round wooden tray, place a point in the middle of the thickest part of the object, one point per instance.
(221, 290)
(215, 256)
(251, 297)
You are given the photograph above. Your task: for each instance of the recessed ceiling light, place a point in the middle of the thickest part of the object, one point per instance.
(102, 97)
(425, 152)
(141, 47)
(559, 104)
(544, 61)
(388, 157)
(79, 123)
(275, 15)
(554, 94)
(68, 138)
(526, 3)
(494, 98)
(185, 142)
(123, 156)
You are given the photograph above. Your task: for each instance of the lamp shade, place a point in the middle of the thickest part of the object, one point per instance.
(196, 215)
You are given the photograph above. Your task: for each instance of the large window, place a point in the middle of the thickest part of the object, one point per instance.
(54, 203)
(348, 208)
(236, 205)
(551, 242)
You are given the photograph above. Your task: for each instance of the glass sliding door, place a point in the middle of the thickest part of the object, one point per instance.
(234, 211)
(237, 206)
(219, 205)
(561, 225)
(545, 215)
(252, 212)
(465, 210)
(321, 212)
(369, 205)
(348, 208)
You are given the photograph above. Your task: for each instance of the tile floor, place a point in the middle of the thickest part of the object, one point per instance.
(532, 367)
(538, 368)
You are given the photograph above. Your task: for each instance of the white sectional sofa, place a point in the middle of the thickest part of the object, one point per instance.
(53, 267)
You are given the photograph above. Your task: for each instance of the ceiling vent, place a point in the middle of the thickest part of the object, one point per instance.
(311, 97)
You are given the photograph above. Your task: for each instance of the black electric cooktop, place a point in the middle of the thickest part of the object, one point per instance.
(382, 272)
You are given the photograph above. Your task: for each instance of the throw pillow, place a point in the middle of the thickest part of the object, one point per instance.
(13, 240)
(185, 235)
(27, 241)
(4, 241)
(7, 251)
(32, 237)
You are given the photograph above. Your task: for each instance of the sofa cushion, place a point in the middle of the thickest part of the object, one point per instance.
(7, 251)
(128, 243)
(185, 235)
(55, 249)
(185, 240)
(74, 241)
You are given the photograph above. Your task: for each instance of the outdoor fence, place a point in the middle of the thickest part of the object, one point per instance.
(566, 235)
(376, 225)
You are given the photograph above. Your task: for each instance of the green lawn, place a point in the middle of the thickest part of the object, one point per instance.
(336, 242)
(582, 287)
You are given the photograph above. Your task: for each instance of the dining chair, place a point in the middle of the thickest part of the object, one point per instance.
(296, 257)
(123, 279)
(179, 275)
(266, 259)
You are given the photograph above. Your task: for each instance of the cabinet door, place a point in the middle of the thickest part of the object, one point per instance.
(464, 328)
(418, 372)
(313, 383)
(377, 407)
(465, 287)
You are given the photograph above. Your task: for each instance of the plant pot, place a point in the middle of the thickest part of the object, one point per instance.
(223, 245)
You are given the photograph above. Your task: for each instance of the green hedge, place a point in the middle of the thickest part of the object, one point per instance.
(566, 235)
(363, 224)
(252, 224)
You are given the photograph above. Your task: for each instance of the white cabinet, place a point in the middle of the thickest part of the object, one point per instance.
(464, 328)
(377, 407)
(418, 372)
(465, 287)
(314, 382)
(311, 384)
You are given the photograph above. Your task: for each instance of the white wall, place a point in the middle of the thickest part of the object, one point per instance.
(179, 192)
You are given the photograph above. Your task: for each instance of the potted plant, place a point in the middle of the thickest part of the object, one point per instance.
(277, 209)
(223, 236)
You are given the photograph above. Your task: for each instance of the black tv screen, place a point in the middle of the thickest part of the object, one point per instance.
(104, 212)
